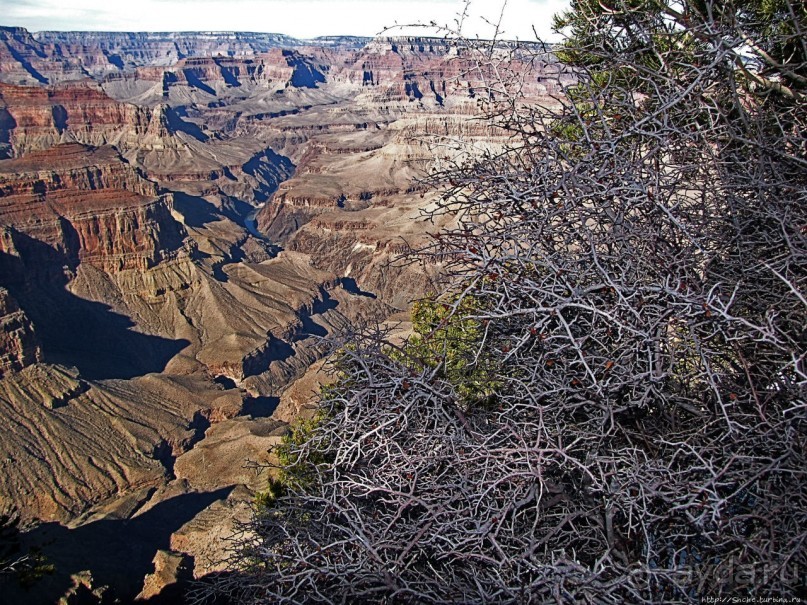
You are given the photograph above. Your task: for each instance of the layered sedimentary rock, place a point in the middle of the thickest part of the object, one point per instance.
(88, 243)
(165, 48)
(35, 118)
(87, 205)
(23, 60)
(52, 57)
(284, 66)
(92, 441)
(442, 71)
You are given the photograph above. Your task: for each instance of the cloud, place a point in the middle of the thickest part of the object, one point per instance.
(301, 18)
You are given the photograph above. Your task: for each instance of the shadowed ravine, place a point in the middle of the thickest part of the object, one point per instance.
(119, 552)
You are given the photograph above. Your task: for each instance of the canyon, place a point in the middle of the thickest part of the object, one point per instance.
(188, 222)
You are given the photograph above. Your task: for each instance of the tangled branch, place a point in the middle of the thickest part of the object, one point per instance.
(635, 260)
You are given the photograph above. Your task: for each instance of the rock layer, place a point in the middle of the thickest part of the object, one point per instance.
(85, 205)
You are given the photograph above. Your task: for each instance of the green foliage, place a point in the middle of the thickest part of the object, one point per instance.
(35, 568)
(673, 38)
(267, 498)
(449, 339)
(295, 470)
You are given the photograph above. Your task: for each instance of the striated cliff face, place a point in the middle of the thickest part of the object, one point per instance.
(34, 118)
(166, 48)
(52, 57)
(88, 247)
(72, 166)
(277, 66)
(88, 205)
(439, 72)
(23, 60)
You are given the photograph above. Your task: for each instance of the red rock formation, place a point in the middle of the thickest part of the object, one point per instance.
(37, 118)
(271, 67)
(71, 166)
(23, 60)
(88, 204)
(50, 57)
(434, 71)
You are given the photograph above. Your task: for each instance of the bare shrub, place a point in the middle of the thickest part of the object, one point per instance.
(635, 258)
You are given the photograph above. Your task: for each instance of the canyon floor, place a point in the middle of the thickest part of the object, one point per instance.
(187, 224)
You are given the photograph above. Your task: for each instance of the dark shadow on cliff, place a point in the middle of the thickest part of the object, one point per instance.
(26, 65)
(118, 552)
(276, 349)
(308, 325)
(227, 74)
(7, 124)
(351, 286)
(323, 303)
(177, 124)
(260, 407)
(60, 117)
(116, 60)
(270, 169)
(196, 210)
(310, 328)
(73, 331)
(196, 82)
(305, 74)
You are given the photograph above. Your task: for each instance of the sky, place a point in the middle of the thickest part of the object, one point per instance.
(299, 18)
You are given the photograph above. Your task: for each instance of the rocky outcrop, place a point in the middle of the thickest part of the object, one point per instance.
(84, 591)
(72, 166)
(34, 119)
(23, 60)
(37, 118)
(51, 57)
(259, 177)
(69, 444)
(286, 213)
(19, 345)
(172, 571)
(437, 72)
(278, 66)
(88, 205)
(166, 48)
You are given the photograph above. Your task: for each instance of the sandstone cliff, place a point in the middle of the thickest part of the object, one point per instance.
(23, 60)
(37, 118)
(88, 205)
